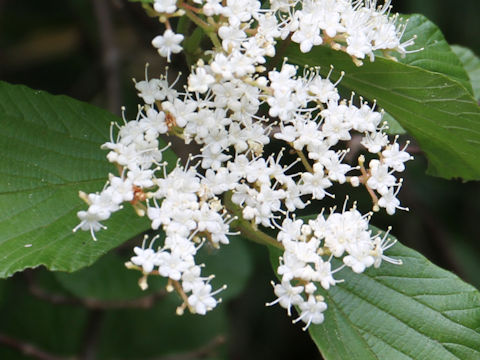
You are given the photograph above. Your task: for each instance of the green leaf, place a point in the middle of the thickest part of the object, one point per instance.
(108, 280)
(410, 311)
(394, 127)
(192, 43)
(137, 334)
(192, 46)
(437, 55)
(54, 328)
(231, 265)
(2, 291)
(121, 334)
(438, 111)
(50, 148)
(471, 63)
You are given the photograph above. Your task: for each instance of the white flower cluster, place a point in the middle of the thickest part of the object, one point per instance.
(358, 27)
(309, 250)
(233, 107)
(175, 261)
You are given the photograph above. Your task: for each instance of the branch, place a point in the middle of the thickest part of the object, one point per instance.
(91, 335)
(437, 234)
(109, 54)
(246, 228)
(145, 302)
(29, 349)
(200, 353)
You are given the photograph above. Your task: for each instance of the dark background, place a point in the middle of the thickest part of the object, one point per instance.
(90, 50)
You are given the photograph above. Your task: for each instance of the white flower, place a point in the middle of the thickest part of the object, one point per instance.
(324, 274)
(359, 44)
(168, 43)
(156, 121)
(375, 141)
(336, 169)
(380, 178)
(395, 158)
(122, 189)
(212, 7)
(165, 6)
(289, 266)
(172, 265)
(323, 89)
(343, 230)
(287, 295)
(389, 200)
(305, 251)
(239, 11)
(359, 255)
(182, 111)
(365, 119)
(311, 311)
(159, 216)
(104, 203)
(146, 258)
(308, 33)
(290, 230)
(381, 244)
(181, 246)
(231, 37)
(336, 124)
(141, 177)
(200, 80)
(315, 184)
(293, 198)
(202, 299)
(90, 221)
(149, 90)
(191, 278)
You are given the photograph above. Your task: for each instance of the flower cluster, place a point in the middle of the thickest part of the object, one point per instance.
(309, 250)
(233, 107)
(358, 27)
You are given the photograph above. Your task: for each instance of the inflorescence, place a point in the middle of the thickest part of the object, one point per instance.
(232, 108)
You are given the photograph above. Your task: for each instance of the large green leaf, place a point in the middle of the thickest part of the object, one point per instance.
(394, 127)
(410, 311)
(57, 329)
(471, 63)
(50, 148)
(61, 329)
(2, 291)
(231, 265)
(434, 108)
(108, 280)
(437, 55)
(139, 334)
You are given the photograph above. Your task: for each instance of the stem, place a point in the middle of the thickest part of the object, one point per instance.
(199, 22)
(305, 162)
(246, 228)
(92, 335)
(145, 302)
(190, 7)
(178, 288)
(109, 54)
(209, 30)
(279, 54)
(29, 349)
(206, 351)
(256, 235)
(363, 180)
